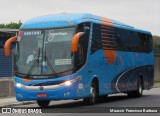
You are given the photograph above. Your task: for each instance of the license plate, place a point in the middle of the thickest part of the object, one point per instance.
(41, 95)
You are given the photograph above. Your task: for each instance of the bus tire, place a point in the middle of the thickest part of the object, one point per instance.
(43, 103)
(91, 100)
(139, 91)
(103, 97)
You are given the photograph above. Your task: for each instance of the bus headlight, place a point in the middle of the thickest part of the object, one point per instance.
(19, 85)
(68, 83)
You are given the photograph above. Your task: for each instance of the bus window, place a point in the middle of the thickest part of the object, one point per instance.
(96, 38)
(121, 43)
(146, 42)
(81, 55)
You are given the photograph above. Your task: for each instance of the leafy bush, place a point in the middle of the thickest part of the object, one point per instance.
(11, 25)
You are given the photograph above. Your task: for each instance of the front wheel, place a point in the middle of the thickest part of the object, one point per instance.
(93, 95)
(43, 103)
(103, 97)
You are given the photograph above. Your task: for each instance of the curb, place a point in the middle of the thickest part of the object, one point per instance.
(156, 85)
(18, 103)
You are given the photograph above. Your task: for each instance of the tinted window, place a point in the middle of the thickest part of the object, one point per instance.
(96, 38)
(111, 38)
(81, 55)
(145, 42)
(103, 37)
(132, 41)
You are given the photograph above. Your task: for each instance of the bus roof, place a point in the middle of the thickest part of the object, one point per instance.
(66, 20)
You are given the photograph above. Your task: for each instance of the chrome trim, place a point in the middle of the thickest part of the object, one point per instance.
(50, 87)
(35, 88)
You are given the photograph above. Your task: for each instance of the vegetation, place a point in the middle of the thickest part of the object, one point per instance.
(11, 25)
(156, 40)
(156, 81)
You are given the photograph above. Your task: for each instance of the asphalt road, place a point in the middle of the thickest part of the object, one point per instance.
(150, 98)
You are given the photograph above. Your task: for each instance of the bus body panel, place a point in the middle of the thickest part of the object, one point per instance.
(120, 76)
(124, 73)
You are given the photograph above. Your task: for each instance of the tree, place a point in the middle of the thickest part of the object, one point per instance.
(11, 25)
(156, 40)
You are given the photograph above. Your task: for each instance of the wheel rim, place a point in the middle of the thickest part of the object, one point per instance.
(92, 94)
(140, 88)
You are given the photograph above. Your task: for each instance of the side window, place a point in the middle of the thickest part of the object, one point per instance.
(108, 38)
(146, 42)
(80, 52)
(150, 46)
(103, 37)
(121, 43)
(81, 55)
(135, 39)
(142, 47)
(132, 40)
(96, 38)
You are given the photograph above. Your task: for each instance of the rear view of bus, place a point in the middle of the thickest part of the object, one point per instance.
(60, 57)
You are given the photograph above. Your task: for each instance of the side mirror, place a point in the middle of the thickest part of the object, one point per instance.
(75, 40)
(7, 45)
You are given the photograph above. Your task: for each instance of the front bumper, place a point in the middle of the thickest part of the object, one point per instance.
(58, 93)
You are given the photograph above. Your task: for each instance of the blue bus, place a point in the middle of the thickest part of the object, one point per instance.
(80, 56)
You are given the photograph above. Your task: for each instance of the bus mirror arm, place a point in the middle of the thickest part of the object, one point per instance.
(75, 41)
(7, 45)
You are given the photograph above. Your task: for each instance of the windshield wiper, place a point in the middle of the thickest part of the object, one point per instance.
(49, 64)
(36, 61)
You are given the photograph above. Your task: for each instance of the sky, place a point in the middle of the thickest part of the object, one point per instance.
(143, 14)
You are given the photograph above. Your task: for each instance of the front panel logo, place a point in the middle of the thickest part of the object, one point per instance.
(52, 34)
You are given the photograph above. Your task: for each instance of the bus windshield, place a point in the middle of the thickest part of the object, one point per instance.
(44, 52)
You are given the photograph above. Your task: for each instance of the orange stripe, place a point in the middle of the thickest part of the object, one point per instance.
(110, 54)
(106, 27)
(106, 48)
(105, 30)
(106, 21)
(105, 36)
(108, 40)
(102, 33)
(26, 80)
(103, 26)
(108, 45)
(109, 50)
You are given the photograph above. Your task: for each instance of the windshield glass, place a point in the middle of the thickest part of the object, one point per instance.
(44, 52)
